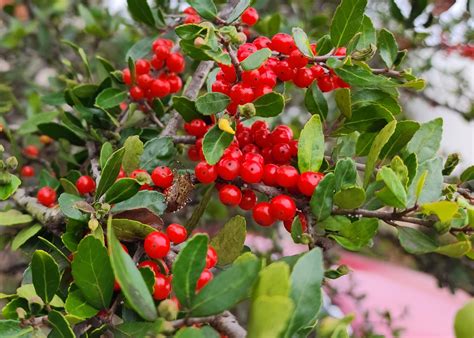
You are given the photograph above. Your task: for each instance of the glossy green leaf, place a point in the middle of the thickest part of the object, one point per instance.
(154, 201)
(306, 291)
(67, 204)
(110, 97)
(12, 329)
(69, 187)
(130, 279)
(229, 241)
(110, 172)
(60, 131)
(315, 101)
(186, 108)
(189, 31)
(346, 173)
(343, 101)
(226, 289)
(311, 145)
(379, 142)
(133, 151)
(362, 77)
(212, 103)
(141, 12)
(187, 268)
(130, 230)
(14, 217)
(45, 275)
(467, 174)
(105, 153)
(77, 305)
(268, 105)
(122, 190)
(393, 194)
(157, 152)
(322, 199)
(205, 8)
(237, 10)
(93, 273)
(368, 36)
(400, 137)
(324, 45)
(415, 241)
(297, 230)
(347, 21)
(354, 236)
(60, 326)
(214, 144)
(350, 197)
(426, 141)
(24, 235)
(6, 190)
(269, 316)
(256, 59)
(302, 42)
(387, 47)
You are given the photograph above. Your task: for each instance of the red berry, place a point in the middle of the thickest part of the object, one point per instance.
(326, 83)
(221, 87)
(303, 77)
(142, 66)
(251, 171)
(257, 125)
(250, 16)
(27, 171)
(116, 286)
(281, 134)
(262, 90)
(253, 157)
(46, 196)
(294, 147)
(228, 168)
(270, 174)
(136, 93)
(31, 151)
(205, 173)
(144, 81)
(233, 152)
(175, 62)
(162, 52)
(284, 71)
(244, 138)
(190, 10)
(162, 177)
(281, 153)
(241, 94)
(160, 88)
(162, 288)
(126, 76)
(262, 42)
(317, 71)
(251, 77)
(175, 83)
(308, 181)
(157, 63)
(267, 154)
(262, 138)
(211, 257)
(206, 277)
(283, 43)
(250, 148)
(249, 199)
(268, 78)
(230, 195)
(261, 214)
(150, 265)
(176, 233)
(341, 51)
(287, 176)
(193, 153)
(282, 207)
(196, 127)
(304, 223)
(85, 184)
(156, 244)
(192, 19)
(297, 60)
(245, 50)
(121, 174)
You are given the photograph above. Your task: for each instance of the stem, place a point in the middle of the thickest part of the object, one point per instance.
(224, 323)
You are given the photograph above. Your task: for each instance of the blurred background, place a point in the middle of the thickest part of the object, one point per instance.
(389, 291)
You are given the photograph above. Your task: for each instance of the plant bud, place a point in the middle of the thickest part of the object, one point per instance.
(364, 54)
(247, 110)
(93, 224)
(5, 177)
(199, 42)
(242, 38)
(143, 178)
(12, 163)
(168, 309)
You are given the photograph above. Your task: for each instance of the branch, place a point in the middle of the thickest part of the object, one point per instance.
(384, 215)
(184, 139)
(92, 151)
(224, 323)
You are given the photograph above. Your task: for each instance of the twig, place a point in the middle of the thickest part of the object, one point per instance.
(184, 139)
(224, 323)
(384, 216)
(92, 152)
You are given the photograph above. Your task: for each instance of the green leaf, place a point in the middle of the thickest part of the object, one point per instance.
(415, 241)
(82, 54)
(237, 10)
(157, 152)
(68, 208)
(154, 201)
(214, 144)
(297, 230)
(69, 187)
(256, 59)
(24, 235)
(324, 45)
(273, 280)
(212, 103)
(189, 31)
(350, 197)
(199, 210)
(187, 268)
(343, 101)
(110, 97)
(306, 291)
(141, 12)
(122, 190)
(30, 126)
(315, 101)
(205, 8)
(135, 329)
(444, 210)
(227, 289)
(322, 199)
(130, 279)
(311, 145)
(269, 316)
(77, 305)
(14, 217)
(387, 47)
(47, 179)
(346, 173)
(190, 332)
(467, 174)
(105, 153)
(426, 141)
(93, 273)
(186, 108)
(347, 21)
(110, 172)
(456, 250)
(400, 137)
(429, 188)
(393, 193)
(139, 50)
(362, 77)
(380, 140)
(13, 329)
(133, 151)
(45, 274)
(60, 131)
(60, 326)
(302, 42)
(130, 230)
(229, 241)
(354, 236)
(463, 321)
(368, 36)
(268, 105)
(6, 190)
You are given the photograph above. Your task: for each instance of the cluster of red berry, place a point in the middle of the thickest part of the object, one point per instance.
(257, 155)
(157, 77)
(157, 245)
(162, 177)
(47, 196)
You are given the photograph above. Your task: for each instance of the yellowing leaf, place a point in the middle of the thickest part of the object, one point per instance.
(445, 210)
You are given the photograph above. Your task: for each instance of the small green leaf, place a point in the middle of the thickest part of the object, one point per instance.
(256, 59)
(24, 235)
(237, 10)
(154, 201)
(394, 193)
(189, 31)
(268, 105)
(110, 172)
(322, 199)
(60, 131)
(122, 190)
(12, 329)
(214, 144)
(141, 12)
(229, 241)
(269, 316)
(273, 280)
(362, 77)
(68, 208)
(347, 21)
(354, 236)
(302, 42)
(130, 230)
(315, 101)
(69, 187)
(45, 274)
(139, 50)
(133, 150)
(205, 8)
(157, 152)
(467, 174)
(133, 329)
(444, 210)
(186, 108)
(426, 141)
(368, 36)
(350, 197)
(199, 210)
(6, 190)
(93, 273)
(130, 279)
(311, 145)
(415, 241)
(400, 137)
(212, 103)
(297, 230)
(346, 173)
(324, 45)
(187, 268)
(77, 305)
(110, 97)
(387, 47)
(14, 217)
(105, 153)
(343, 101)
(60, 326)
(455, 250)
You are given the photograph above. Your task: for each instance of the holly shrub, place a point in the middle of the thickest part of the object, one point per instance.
(129, 161)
